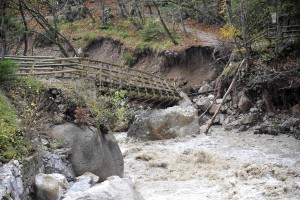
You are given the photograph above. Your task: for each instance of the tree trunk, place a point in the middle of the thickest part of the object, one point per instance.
(136, 24)
(89, 13)
(122, 10)
(245, 33)
(25, 28)
(3, 28)
(40, 19)
(278, 27)
(163, 24)
(102, 7)
(182, 22)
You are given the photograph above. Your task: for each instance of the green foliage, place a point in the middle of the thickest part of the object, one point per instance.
(89, 36)
(12, 143)
(28, 90)
(116, 32)
(111, 110)
(142, 47)
(14, 28)
(129, 59)
(228, 31)
(152, 30)
(8, 70)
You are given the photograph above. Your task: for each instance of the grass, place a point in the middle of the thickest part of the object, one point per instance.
(12, 143)
(118, 29)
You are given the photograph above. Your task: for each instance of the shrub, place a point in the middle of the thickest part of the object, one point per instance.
(228, 31)
(89, 36)
(8, 70)
(152, 30)
(129, 59)
(81, 116)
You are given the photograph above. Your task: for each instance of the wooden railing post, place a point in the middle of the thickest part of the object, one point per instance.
(32, 68)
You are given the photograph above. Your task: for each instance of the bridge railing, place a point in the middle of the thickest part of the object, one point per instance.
(109, 77)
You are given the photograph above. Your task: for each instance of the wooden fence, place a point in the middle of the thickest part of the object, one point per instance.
(108, 77)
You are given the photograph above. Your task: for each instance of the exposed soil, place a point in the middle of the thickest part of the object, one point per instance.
(224, 165)
(187, 68)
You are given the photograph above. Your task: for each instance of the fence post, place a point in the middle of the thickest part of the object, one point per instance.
(32, 68)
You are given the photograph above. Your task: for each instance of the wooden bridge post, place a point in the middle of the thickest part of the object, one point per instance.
(32, 68)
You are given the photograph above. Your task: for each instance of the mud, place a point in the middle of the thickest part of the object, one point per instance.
(223, 165)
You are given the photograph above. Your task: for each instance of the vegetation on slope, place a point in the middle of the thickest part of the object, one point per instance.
(12, 142)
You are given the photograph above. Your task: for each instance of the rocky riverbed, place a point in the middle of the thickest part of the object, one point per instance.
(223, 165)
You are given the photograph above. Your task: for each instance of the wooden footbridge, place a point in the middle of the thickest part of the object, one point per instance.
(108, 77)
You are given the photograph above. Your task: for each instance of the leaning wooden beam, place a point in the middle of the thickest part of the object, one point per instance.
(224, 97)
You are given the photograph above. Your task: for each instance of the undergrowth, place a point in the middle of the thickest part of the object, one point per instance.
(13, 145)
(110, 110)
(151, 36)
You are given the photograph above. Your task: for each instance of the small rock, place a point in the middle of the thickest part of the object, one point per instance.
(213, 109)
(254, 110)
(53, 163)
(203, 103)
(45, 142)
(244, 103)
(248, 119)
(271, 114)
(296, 110)
(242, 128)
(218, 101)
(82, 183)
(76, 38)
(205, 88)
(291, 122)
(260, 103)
(48, 187)
(228, 98)
(229, 112)
(114, 188)
(95, 178)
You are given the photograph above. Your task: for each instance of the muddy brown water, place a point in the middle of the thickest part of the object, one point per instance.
(223, 165)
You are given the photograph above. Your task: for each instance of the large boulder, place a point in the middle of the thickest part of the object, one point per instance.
(165, 124)
(91, 151)
(114, 188)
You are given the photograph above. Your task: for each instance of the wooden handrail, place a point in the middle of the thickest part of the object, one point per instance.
(111, 76)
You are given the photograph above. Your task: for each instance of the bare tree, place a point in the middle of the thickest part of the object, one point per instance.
(25, 28)
(163, 24)
(102, 7)
(3, 27)
(51, 30)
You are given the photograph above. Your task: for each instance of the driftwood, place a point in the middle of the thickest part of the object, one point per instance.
(224, 97)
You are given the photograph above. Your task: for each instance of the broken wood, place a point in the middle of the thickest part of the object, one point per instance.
(224, 97)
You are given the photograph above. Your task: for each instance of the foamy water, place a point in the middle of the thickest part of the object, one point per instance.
(224, 165)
